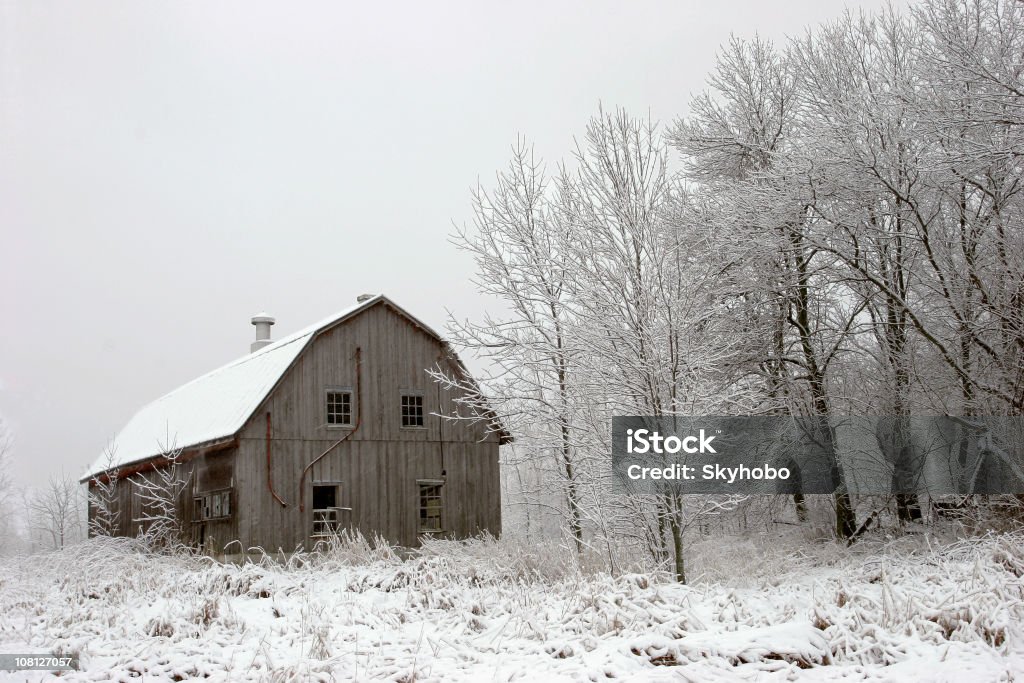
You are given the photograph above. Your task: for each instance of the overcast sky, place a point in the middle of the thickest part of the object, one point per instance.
(169, 169)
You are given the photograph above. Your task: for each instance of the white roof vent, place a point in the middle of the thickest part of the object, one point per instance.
(364, 297)
(262, 321)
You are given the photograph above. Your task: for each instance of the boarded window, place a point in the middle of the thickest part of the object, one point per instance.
(339, 407)
(412, 410)
(430, 506)
(211, 505)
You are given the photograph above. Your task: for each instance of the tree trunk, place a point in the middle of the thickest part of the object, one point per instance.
(846, 519)
(679, 563)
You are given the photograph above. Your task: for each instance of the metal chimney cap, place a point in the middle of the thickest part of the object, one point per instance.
(262, 317)
(364, 297)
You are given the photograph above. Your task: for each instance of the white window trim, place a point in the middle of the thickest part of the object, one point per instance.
(420, 483)
(402, 393)
(333, 389)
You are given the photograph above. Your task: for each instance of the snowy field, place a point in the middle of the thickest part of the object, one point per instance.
(765, 608)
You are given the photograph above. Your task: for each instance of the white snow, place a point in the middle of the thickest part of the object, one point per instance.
(485, 610)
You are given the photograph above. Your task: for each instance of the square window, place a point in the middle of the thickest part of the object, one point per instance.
(412, 410)
(339, 408)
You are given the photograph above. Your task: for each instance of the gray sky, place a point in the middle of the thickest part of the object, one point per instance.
(169, 169)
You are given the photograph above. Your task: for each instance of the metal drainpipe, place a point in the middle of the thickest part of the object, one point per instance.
(440, 426)
(359, 421)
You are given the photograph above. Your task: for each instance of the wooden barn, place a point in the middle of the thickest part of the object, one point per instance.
(334, 427)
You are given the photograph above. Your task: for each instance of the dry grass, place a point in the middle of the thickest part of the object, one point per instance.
(359, 609)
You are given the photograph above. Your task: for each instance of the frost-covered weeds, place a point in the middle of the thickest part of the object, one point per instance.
(486, 609)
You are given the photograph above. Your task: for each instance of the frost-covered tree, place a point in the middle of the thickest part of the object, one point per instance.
(844, 237)
(8, 534)
(861, 146)
(913, 136)
(159, 491)
(6, 453)
(646, 319)
(738, 144)
(55, 512)
(104, 515)
(608, 311)
(912, 124)
(521, 263)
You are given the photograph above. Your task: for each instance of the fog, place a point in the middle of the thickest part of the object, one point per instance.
(168, 170)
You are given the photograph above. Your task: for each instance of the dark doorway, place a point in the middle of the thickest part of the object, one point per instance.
(325, 497)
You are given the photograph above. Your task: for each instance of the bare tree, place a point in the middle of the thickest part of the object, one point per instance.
(922, 194)
(55, 511)
(738, 144)
(609, 313)
(104, 515)
(6, 453)
(159, 492)
(844, 237)
(8, 534)
(646, 319)
(520, 261)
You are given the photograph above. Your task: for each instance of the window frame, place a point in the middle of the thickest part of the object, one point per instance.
(205, 502)
(421, 507)
(337, 508)
(337, 389)
(409, 393)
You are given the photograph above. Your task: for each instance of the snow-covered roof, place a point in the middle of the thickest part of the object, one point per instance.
(216, 405)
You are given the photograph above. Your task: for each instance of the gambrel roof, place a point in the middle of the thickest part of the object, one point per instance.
(215, 406)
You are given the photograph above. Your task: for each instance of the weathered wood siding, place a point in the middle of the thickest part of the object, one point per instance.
(200, 472)
(378, 466)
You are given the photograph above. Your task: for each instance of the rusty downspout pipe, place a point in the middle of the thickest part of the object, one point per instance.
(359, 421)
(440, 424)
(270, 468)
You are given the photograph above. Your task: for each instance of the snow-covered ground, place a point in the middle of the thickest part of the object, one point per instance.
(764, 608)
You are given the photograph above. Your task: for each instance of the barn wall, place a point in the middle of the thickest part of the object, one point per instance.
(380, 462)
(377, 466)
(201, 473)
